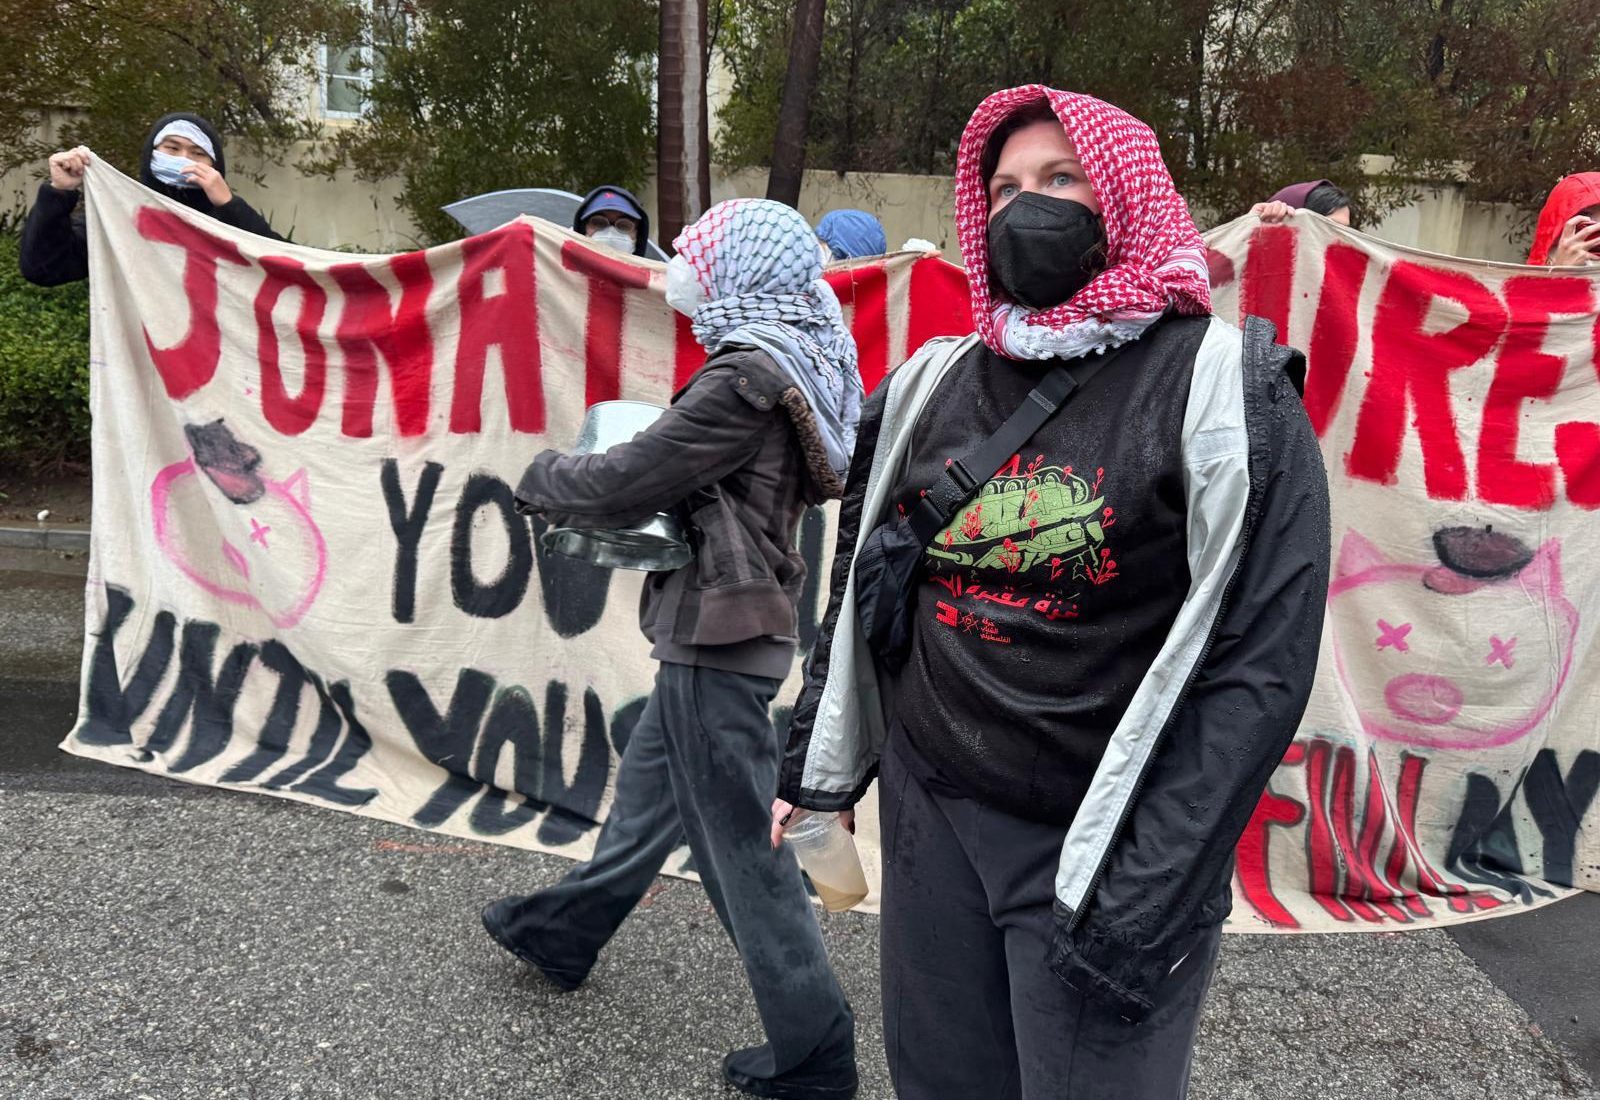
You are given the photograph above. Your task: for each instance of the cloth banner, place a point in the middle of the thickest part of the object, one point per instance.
(308, 580)
(1448, 765)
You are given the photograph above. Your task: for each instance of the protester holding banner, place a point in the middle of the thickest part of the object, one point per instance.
(1111, 643)
(1568, 231)
(182, 159)
(611, 216)
(1318, 196)
(762, 431)
(851, 235)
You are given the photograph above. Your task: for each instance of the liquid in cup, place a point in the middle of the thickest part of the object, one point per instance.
(827, 851)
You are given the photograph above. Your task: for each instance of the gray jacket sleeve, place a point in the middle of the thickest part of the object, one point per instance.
(715, 426)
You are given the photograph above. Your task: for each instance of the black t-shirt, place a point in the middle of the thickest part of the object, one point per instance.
(1044, 603)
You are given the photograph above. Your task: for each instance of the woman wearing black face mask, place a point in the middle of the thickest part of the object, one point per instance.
(1112, 635)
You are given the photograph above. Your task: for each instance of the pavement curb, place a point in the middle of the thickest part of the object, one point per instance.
(44, 537)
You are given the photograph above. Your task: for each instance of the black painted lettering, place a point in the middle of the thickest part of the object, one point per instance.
(273, 739)
(323, 739)
(512, 721)
(113, 708)
(1558, 806)
(202, 699)
(1484, 846)
(407, 524)
(574, 805)
(324, 782)
(501, 596)
(445, 739)
(574, 592)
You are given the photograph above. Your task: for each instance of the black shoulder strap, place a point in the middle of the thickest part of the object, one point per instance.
(965, 475)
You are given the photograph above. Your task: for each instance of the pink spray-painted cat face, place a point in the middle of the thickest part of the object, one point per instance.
(267, 553)
(1438, 659)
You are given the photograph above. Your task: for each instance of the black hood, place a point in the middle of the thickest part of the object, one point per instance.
(579, 215)
(189, 196)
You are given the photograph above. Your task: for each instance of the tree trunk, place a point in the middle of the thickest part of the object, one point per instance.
(683, 141)
(794, 112)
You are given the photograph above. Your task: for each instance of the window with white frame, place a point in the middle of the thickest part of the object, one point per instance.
(347, 74)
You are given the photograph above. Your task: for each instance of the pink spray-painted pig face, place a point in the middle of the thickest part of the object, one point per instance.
(266, 553)
(1438, 658)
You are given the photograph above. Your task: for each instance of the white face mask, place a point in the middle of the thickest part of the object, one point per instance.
(684, 292)
(612, 237)
(169, 169)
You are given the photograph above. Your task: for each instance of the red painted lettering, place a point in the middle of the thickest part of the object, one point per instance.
(1323, 858)
(940, 304)
(868, 289)
(506, 317)
(1333, 336)
(1253, 856)
(1524, 371)
(1578, 451)
(1429, 881)
(191, 362)
(291, 415)
(602, 332)
(1411, 371)
(1269, 276)
(370, 325)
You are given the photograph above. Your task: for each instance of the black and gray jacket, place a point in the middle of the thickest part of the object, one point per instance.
(739, 454)
(1148, 858)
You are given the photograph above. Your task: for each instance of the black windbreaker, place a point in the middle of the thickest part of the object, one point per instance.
(1147, 862)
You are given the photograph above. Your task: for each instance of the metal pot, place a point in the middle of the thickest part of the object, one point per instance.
(655, 545)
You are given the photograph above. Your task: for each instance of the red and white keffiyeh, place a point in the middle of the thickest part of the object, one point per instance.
(1156, 259)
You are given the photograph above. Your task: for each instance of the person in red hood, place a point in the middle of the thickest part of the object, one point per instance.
(1568, 233)
(1113, 625)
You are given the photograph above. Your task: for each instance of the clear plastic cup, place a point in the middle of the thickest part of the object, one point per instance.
(827, 851)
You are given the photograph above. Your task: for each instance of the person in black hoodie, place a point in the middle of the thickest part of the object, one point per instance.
(182, 159)
(612, 216)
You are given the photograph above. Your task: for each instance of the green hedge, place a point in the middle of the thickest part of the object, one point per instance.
(44, 367)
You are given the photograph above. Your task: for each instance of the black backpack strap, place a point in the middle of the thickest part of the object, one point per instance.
(964, 476)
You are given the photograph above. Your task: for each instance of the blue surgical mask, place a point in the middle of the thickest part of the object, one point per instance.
(169, 169)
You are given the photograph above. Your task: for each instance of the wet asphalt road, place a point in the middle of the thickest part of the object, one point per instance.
(159, 940)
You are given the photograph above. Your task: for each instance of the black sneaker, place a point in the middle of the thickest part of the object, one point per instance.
(494, 923)
(819, 1078)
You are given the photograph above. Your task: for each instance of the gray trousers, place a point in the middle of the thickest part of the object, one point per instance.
(970, 1008)
(702, 765)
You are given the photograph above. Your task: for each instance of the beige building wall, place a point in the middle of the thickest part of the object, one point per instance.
(345, 213)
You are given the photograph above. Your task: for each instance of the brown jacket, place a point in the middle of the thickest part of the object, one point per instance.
(738, 455)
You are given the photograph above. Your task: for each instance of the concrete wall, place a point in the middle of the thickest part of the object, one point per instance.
(346, 213)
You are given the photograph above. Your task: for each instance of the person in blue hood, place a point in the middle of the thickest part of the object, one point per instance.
(182, 159)
(610, 215)
(852, 235)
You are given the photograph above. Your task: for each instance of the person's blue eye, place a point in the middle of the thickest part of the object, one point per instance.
(1062, 179)
(1007, 190)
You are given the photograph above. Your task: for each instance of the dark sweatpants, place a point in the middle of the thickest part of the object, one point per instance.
(970, 1008)
(703, 763)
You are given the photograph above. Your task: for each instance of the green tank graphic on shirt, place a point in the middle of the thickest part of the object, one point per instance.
(1018, 523)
